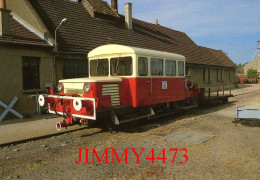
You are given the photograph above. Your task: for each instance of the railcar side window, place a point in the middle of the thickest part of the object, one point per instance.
(99, 67)
(181, 68)
(170, 68)
(156, 67)
(121, 66)
(142, 66)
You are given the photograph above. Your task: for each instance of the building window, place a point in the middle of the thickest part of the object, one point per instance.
(31, 79)
(73, 68)
(221, 75)
(204, 74)
(229, 75)
(217, 75)
(156, 67)
(142, 66)
(209, 74)
(170, 68)
(181, 68)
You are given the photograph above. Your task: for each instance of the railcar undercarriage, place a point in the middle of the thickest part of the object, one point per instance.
(114, 117)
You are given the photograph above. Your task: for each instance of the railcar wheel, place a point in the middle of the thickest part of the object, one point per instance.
(110, 126)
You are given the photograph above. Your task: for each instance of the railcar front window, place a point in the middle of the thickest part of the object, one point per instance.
(121, 66)
(170, 68)
(181, 68)
(142, 66)
(99, 67)
(156, 67)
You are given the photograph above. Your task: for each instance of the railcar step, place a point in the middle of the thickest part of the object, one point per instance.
(189, 107)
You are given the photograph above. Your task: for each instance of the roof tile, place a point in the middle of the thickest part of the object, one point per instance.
(21, 35)
(83, 33)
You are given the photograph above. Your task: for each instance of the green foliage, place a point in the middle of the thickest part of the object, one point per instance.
(252, 73)
(241, 65)
(223, 52)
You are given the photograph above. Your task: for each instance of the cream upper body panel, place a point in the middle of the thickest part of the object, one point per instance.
(114, 49)
(92, 79)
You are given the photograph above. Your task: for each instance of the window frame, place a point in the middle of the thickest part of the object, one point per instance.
(217, 75)
(175, 66)
(183, 69)
(209, 74)
(147, 66)
(204, 74)
(157, 59)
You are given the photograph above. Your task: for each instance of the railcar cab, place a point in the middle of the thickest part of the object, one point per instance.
(139, 77)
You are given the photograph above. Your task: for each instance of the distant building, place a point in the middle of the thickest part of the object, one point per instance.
(254, 64)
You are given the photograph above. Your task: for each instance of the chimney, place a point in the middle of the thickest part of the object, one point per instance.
(156, 22)
(114, 5)
(258, 48)
(128, 16)
(4, 20)
(3, 4)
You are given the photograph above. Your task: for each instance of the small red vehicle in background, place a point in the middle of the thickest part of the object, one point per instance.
(124, 84)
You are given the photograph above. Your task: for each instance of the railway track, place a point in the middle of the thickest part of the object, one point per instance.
(246, 93)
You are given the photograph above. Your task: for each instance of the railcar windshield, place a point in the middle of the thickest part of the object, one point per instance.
(99, 67)
(121, 66)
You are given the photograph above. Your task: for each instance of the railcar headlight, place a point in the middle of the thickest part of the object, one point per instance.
(60, 87)
(87, 88)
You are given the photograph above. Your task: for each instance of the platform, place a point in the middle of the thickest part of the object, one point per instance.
(15, 131)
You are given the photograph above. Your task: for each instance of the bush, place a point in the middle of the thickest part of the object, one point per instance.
(252, 73)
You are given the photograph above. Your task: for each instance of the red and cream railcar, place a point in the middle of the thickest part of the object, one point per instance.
(124, 83)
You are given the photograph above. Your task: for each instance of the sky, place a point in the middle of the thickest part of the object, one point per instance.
(230, 25)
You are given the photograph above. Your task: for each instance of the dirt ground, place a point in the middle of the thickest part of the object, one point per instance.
(234, 152)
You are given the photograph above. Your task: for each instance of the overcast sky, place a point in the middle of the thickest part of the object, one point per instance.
(231, 25)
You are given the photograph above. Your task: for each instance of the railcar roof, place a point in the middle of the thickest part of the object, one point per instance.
(115, 49)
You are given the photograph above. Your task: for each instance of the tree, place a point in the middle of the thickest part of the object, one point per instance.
(223, 52)
(252, 73)
(240, 68)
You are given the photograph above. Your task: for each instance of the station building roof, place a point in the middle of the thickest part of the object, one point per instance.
(83, 33)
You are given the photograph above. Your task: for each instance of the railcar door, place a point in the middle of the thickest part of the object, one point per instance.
(143, 83)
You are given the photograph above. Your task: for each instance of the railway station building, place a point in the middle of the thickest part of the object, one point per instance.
(31, 61)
